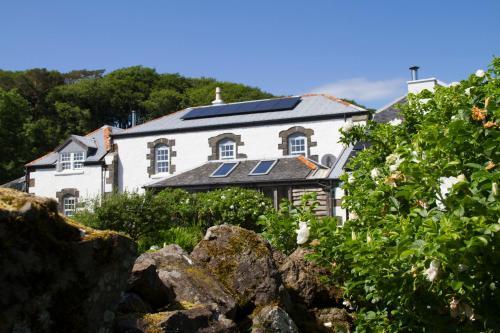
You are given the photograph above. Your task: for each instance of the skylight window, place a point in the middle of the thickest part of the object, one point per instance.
(224, 169)
(263, 168)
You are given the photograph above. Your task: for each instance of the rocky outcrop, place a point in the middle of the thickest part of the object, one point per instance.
(56, 275)
(302, 278)
(243, 262)
(273, 319)
(191, 284)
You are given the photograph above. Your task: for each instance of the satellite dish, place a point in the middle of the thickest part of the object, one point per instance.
(328, 160)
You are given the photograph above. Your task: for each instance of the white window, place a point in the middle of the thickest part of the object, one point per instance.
(227, 149)
(65, 161)
(72, 161)
(69, 205)
(161, 158)
(78, 159)
(297, 144)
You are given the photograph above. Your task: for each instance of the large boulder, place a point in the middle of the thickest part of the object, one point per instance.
(56, 275)
(273, 319)
(144, 281)
(191, 285)
(302, 279)
(243, 262)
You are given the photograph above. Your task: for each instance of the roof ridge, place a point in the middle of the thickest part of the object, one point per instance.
(335, 99)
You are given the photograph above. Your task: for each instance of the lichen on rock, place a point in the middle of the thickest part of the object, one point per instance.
(57, 275)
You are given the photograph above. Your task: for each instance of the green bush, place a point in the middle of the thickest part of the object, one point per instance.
(423, 254)
(130, 213)
(235, 206)
(280, 227)
(185, 237)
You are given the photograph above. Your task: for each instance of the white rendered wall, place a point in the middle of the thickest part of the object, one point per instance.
(192, 148)
(50, 181)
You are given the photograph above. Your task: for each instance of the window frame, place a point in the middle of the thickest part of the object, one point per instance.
(71, 161)
(295, 136)
(164, 167)
(71, 210)
(226, 143)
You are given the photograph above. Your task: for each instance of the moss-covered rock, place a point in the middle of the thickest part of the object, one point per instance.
(56, 275)
(191, 284)
(243, 262)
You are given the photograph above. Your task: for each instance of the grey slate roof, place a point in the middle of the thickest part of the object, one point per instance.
(16, 184)
(390, 111)
(344, 158)
(311, 105)
(285, 169)
(95, 140)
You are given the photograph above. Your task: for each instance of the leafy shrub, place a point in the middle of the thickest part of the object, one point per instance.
(235, 206)
(423, 253)
(175, 207)
(279, 227)
(126, 212)
(185, 237)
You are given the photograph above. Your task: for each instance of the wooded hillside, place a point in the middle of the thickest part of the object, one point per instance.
(40, 108)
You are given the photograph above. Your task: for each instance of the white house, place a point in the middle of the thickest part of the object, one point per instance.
(283, 147)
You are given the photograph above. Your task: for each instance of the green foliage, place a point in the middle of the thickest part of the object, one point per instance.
(130, 213)
(423, 253)
(13, 116)
(58, 104)
(185, 237)
(235, 206)
(174, 215)
(279, 227)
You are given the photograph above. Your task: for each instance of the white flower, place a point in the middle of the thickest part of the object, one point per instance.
(424, 101)
(328, 324)
(350, 179)
(395, 122)
(348, 125)
(302, 233)
(223, 197)
(494, 189)
(414, 155)
(462, 267)
(154, 248)
(467, 91)
(348, 304)
(391, 158)
(231, 207)
(375, 173)
(353, 215)
(454, 84)
(480, 73)
(445, 185)
(353, 235)
(368, 238)
(431, 273)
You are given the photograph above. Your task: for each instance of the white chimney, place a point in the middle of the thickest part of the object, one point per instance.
(415, 85)
(218, 100)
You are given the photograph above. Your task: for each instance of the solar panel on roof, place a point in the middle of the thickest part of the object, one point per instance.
(278, 104)
(224, 169)
(262, 168)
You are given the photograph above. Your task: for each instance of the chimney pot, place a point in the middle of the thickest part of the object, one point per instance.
(218, 99)
(414, 72)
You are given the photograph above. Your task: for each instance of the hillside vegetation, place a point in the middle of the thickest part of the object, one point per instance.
(40, 108)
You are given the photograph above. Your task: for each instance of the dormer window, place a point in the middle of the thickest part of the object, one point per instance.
(72, 161)
(297, 144)
(227, 149)
(161, 158)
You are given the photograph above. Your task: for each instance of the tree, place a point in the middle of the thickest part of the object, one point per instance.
(13, 150)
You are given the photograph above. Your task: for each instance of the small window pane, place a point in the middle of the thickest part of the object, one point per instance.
(162, 159)
(297, 145)
(226, 150)
(263, 168)
(69, 205)
(224, 169)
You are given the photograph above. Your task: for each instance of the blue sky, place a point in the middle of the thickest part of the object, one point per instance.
(353, 49)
